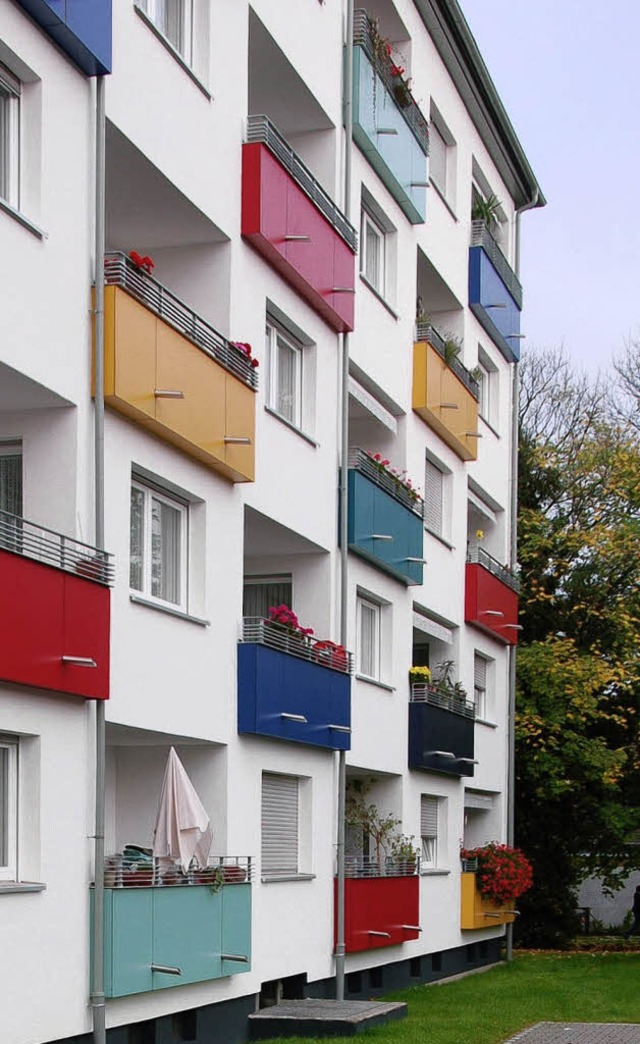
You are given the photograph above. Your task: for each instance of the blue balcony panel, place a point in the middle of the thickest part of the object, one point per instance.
(375, 514)
(286, 697)
(382, 134)
(493, 305)
(81, 28)
(435, 732)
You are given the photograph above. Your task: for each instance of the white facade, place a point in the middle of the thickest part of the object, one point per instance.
(175, 129)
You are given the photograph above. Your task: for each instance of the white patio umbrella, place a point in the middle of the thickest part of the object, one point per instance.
(183, 828)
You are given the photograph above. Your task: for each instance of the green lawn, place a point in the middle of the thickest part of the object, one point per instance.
(492, 1006)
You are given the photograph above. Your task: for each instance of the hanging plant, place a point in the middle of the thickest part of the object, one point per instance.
(503, 873)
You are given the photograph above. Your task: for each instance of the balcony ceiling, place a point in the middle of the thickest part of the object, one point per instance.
(265, 536)
(19, 392)
(435, 292)
(127, 736)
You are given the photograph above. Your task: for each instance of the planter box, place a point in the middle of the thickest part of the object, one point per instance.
(478, 912)
(380, 911)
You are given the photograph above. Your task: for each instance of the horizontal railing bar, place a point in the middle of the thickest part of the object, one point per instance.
(361, 461)
(478, 556)
(256, 629)
(39, 543)
(438, 697)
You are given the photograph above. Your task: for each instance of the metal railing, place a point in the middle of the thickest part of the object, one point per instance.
(478, 556)
(427, 332)
(481, 236)
(129, 869)
(359, 460)
(30, 540)
(261, 129)
(256, 629)
(358, 866)
(365, 36)
(439, 696)
(119, 270)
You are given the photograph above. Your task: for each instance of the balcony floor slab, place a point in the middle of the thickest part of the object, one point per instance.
(326, 1018)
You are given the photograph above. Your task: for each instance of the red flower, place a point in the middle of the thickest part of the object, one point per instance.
(387, 48)
(245, 348)
(397, 70)
(145, 262)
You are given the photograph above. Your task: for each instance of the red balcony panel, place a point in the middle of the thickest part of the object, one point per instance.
(490, 604)
(46, 614)
(379, 911)
(275, 208)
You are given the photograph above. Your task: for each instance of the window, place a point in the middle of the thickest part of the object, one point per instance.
(368, 627)
(481, 670)
(174, 19)
(434, 484)
(11, 477)
(441, 156)
(488, 384)
(372, 253)
(429, 831)
(8, 808)
(285, 375)
(280, 818)
(9, 137)
(158, 563)
(261, 592)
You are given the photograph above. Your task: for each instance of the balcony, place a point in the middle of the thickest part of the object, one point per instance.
(445, 395)
(491, 597)
(81, 30)
(388, 128)
(379, 910)
(293, 688)
(171, 931)
(385, 521)
(478, 912)
(172, 373)
(441, 731)
(54, 610)
(495, 294)
(295, 225)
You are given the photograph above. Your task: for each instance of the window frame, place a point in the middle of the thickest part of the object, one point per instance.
(9, 809)
(444, 144)
(369, 225)
(157, 13)
(429, 839)
(441, 531)
(482, 692)
(150, 493)
(10, 95)
(268, 580)
(376, 653)
(280, 781)
(275, 335)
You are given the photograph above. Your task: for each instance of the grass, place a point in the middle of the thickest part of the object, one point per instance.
(490, 1007)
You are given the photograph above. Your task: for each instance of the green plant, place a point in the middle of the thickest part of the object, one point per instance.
(452, 348)
(404, 849)
(486, 209)
(380, 828)
(442, 677)
(422, 675)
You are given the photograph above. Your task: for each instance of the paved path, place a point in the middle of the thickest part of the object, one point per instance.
(579, 1033)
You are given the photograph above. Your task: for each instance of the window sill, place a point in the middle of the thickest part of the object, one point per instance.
(444, 199)
(139, 600)
(434, 872)
(376, 293)
(288, 877)
(11, 887)
(287, 423)
(489, 724)
(23, 220)
(374, 681)
(490, 426)
(172, 50)
(440, 539)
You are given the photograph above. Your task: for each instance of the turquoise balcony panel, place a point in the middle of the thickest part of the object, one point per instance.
(383, 530)
(381, 132)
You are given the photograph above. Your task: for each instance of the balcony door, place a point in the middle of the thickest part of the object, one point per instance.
(10, 493)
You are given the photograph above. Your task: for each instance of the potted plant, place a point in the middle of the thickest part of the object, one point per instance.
(403, 856)
(486, 210)
(380, 828)
(502, 873)
(285, 620)
(444, 684)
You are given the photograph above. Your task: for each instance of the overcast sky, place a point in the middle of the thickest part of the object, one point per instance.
(568, 72)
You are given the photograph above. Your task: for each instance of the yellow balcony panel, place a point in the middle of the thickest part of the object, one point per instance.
(478, 912)
(161, 380)
(443, 402)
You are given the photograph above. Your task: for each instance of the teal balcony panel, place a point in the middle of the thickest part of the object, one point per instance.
(381, 132)
(383, 530)
(236, 929)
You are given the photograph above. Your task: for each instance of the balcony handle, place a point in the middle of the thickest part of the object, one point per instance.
(387, 130)
(419, 184)
(343, 290)
(411, 927)
(412, 559)
(382, 935)
(168, 393)
(237, 440)
(341, 728)
(469, 761)
(166, 969)
(472, 434)
(448, 406)
(490, 612)
(294, 717)
(439, 754)
(378, 536)
(484, 914)
(79, 661)
(297, 239)
(239, 957)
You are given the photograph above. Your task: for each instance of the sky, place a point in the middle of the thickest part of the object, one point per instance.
(568, 73)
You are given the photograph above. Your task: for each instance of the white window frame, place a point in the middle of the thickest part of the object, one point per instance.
(151, 493)
(275, 338)
(375, 658)
(430, 814)
(442, 152)
(436, 501)
(489, 389)
(9, 809)
(10, 138)
(159, 12)
(280, 826)
(281, 580)
(375, 274)
(482, 685)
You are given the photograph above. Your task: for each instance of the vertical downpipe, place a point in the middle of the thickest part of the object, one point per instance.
(97, 981)
(344, 552)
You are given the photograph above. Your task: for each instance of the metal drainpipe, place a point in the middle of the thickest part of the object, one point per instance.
(97, 976)
(513, 558)
(344, 552)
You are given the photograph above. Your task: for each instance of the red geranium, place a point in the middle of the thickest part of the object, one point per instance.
(503, 873)
(246, 349)
(145, 262)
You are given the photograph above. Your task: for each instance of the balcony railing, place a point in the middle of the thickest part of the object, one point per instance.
(438, 696)
(427, 332)
(481, 236)
(129, 869)
(45, 545)
(365, 36)
(260, 129)
(360, 461)
(357, 866)
(478, 556)
(119, 270)
(257, 630)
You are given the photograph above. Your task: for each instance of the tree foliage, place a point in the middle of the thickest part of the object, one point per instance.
(578, 756)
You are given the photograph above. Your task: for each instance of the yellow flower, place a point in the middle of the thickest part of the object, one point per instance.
(479, 534)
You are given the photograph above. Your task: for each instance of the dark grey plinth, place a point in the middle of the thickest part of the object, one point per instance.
(322, 1018)
(579, 1033)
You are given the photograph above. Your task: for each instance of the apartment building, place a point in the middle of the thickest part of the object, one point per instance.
(305, 314)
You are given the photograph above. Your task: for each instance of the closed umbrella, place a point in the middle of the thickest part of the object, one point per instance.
(183, 828)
